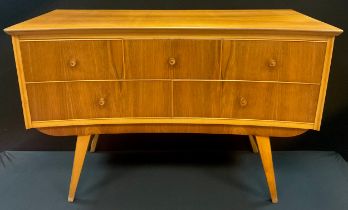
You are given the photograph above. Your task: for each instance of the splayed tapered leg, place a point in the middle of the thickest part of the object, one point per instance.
(80, 154)
(264, 147)
(94, 143)
(253, 144)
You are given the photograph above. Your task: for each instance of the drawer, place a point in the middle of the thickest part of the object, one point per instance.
(85, 100)
(245, 100)
(293, 61)
(72, 60)
(147, 59)
(167, 58)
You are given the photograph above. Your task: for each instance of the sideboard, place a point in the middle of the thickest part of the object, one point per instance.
(260, 73)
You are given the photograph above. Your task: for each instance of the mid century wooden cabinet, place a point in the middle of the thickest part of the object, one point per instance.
(253, 72)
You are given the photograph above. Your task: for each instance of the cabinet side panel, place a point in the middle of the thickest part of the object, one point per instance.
(323, 85)
(21, 81)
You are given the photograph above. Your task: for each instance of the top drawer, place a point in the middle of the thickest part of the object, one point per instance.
(72, 60)
(293, 61)
(172, 58)
(289, 61)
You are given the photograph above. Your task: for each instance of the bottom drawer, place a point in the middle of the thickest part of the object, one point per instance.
(107, 99)
(246, 100)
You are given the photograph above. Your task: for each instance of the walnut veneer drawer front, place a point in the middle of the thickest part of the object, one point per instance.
(88, 100)
(260, 73)
(296, 61)
(246, 100)
(72, 60)
(175, 58)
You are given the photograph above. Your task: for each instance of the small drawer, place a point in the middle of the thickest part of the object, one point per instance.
(245, 100)
(72, 60)
(86, 100)
(147, 59)
(290, 61)
(171, 58)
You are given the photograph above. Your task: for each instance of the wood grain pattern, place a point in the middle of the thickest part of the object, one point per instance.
(192, 59)
(296, 61)
(147, 59)
(171, 128)
(196, 59)
(192, 67)
(110, 34)
(84, 100)
(63, 21)
(72, 60)
(172, 120)
(240, 100)
(21, 82)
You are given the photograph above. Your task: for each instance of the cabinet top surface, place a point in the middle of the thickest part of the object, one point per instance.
(242, 20)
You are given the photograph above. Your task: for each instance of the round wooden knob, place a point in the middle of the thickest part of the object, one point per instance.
(171, 61)
(272, 63)
(72, 62)
(243, 101)
(101, 101)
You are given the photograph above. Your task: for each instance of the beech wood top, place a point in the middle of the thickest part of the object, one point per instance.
(239, 20)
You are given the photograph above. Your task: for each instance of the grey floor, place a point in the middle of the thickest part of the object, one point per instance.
(173, 180)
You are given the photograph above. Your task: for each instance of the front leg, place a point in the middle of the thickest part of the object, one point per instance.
(267, 162)
(80, 154)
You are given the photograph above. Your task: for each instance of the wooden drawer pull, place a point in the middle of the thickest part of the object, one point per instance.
(72, 62)
(171, 61)
(272, 63)
(101, 101)
(243, 102)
